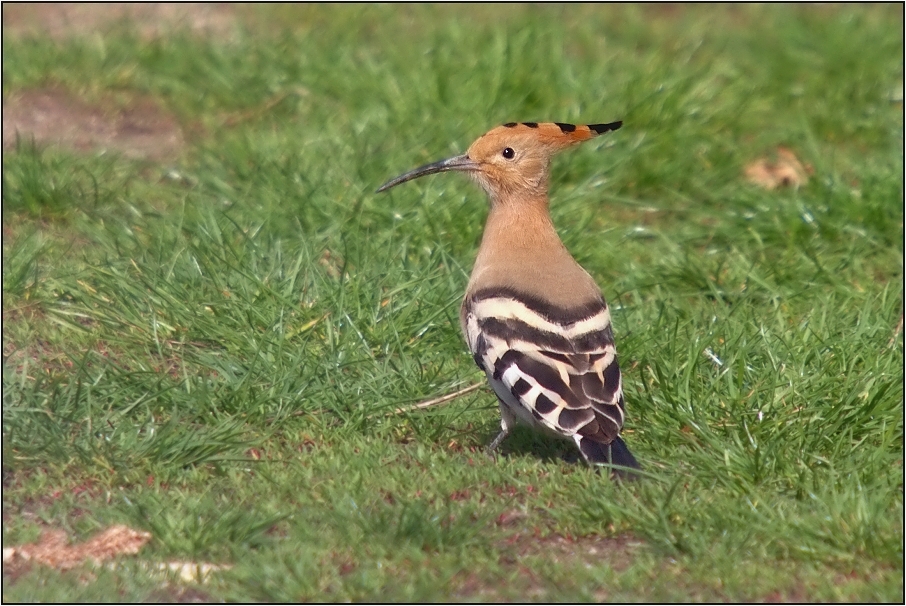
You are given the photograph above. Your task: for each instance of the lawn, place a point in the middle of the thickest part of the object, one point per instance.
(216, 333)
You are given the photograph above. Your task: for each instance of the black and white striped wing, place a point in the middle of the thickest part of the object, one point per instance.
(558, 366)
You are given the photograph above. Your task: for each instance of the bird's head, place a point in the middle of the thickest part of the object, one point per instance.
(513, 159)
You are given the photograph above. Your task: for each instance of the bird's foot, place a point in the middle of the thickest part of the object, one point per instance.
(492, 447)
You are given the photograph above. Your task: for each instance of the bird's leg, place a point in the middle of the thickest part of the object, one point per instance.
(492, 447)
(507, 420)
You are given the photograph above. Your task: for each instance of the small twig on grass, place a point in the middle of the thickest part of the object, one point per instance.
(237, 117)
(296, 413)
(440, 400)
(896, 332)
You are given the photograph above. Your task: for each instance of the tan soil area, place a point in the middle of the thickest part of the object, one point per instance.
(141, 130)
(50, 116)
(150, 19)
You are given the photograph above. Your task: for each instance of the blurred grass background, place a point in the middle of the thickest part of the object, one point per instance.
(210, 318)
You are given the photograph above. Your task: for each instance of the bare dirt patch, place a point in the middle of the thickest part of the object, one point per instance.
(139, 130)
(150, 20)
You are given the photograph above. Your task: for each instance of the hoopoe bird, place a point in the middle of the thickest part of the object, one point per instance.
(535, 321)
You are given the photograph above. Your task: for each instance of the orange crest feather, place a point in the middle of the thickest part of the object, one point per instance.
(560, 135)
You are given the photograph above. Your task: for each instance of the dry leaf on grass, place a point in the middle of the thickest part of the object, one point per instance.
(331, 263)
(785, 171)
(53, 548)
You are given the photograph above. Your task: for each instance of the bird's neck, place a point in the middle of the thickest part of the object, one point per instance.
(521, 229)
(520, 249)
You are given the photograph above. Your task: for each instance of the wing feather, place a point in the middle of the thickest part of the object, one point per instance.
(560, 375)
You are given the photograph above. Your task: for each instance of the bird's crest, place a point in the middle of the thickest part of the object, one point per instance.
(557, 135)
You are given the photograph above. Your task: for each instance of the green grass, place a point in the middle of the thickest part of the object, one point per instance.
(211, 348)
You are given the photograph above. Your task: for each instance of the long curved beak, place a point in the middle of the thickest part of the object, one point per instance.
(462, 162)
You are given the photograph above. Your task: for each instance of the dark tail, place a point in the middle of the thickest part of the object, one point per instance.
(615, 453)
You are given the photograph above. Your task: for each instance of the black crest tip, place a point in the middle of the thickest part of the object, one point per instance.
(603, 128)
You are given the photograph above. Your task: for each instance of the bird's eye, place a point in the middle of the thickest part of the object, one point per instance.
(508, 153)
